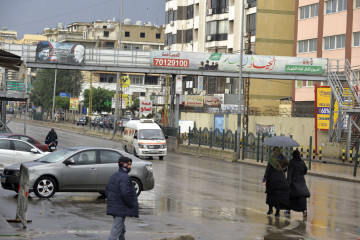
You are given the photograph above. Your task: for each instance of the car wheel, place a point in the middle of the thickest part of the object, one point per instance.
(137, 185)
(45, 187)
(126, 150)
(161, 157)
(135, 153)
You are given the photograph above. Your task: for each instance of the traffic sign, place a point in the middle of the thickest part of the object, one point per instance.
(124, 81)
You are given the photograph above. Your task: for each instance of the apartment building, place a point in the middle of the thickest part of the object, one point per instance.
(7, 36)
(215, 26)
(325, 29)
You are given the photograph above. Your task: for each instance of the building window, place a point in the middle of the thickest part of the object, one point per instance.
(357, 4)
(300, 83)
(217, 30)
(158, 35)
(190, 12)
(219, 6)
(151, 80)
(307, 46)
(170, 16)
(309, 11)
(357, 39)
(142, 35)
(251, 24)
(136, 79)
(104, 26)
(189, 35)
(127, 34)
(107, 78)
(106, 33)
(334, 42)
(333, 6)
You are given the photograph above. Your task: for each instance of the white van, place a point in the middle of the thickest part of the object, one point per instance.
(144, 138)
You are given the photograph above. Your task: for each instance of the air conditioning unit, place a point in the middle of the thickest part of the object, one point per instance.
(210, 11)
(195, 90)
(228, 80)
(246, 6)
(171, 23)
(191, 42)
(227, 9)
(208, 37)
(186, 93)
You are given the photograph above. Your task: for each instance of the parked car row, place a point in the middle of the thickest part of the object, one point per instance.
(77, 169)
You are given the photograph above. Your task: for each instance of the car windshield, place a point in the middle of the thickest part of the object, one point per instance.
(56, 156)
(151, 134)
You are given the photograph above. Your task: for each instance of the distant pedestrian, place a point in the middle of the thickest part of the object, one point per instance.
(277, 188)
(122, 200)
(298, 189)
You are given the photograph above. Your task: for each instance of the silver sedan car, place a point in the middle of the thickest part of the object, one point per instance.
(77, 169)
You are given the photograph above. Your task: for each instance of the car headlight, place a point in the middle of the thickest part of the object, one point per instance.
(149, 168)
(142, 146)
(163, 146)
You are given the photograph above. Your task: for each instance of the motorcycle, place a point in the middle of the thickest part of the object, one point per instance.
(52, 146)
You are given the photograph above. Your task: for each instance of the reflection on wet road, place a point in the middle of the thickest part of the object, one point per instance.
(207, 198)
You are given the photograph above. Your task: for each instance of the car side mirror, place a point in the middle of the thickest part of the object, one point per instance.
(34, 150)
(68, 162)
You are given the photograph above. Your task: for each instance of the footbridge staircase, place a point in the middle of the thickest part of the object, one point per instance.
(345, 90)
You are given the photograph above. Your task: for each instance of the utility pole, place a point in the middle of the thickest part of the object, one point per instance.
(53, 105)
(247, 91)
(240, 83)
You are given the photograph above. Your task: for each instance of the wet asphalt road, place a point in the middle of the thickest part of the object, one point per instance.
(206, 198)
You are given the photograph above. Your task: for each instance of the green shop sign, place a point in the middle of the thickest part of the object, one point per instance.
(303, 69)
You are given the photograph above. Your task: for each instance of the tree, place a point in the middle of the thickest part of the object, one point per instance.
(62, 102)
(67, 81)
(101, 99)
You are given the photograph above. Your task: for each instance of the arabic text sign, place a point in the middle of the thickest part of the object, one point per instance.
(323, 108)
(194, 101)
(231, 62)
(145, 107)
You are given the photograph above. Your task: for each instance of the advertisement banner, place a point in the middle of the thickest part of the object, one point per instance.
(231, 62)
(60, 53)
(74, 104)
(145, 107)
(211, 101)
(194, 101)
(179, 79)
(323, 95)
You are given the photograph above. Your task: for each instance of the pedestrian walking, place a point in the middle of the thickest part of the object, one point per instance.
(277, 188)
(298, 189)
(121, 197)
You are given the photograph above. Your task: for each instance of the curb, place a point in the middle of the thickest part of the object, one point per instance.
(184, 237)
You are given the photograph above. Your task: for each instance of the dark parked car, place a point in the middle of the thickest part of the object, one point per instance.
(122, 122)
(77, 169)
(83, 120)
(95, 121)
(110, 122)
(102, 122)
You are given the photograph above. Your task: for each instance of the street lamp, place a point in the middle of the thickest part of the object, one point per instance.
(240, 100)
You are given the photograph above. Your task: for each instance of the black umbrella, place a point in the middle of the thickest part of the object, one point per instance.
(281, 141)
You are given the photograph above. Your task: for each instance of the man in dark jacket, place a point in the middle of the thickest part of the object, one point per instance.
(121, 199)
(51, 137)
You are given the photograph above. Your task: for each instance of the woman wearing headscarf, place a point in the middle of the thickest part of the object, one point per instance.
(298, 189)
(277, 188)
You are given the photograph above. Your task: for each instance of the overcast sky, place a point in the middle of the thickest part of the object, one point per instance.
(32, 16)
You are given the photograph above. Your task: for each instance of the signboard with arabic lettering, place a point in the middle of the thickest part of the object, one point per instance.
(231, 62)
(145, 107)
(194, 101)
(323, 98)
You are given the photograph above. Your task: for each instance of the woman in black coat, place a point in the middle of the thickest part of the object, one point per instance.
(277, 188)
(298, 189)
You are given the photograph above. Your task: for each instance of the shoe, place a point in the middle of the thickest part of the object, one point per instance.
(269, 212)
(305, 213)
(277, 214)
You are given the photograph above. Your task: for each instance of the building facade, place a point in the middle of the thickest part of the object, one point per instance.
(215, 26)
(325, 29)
